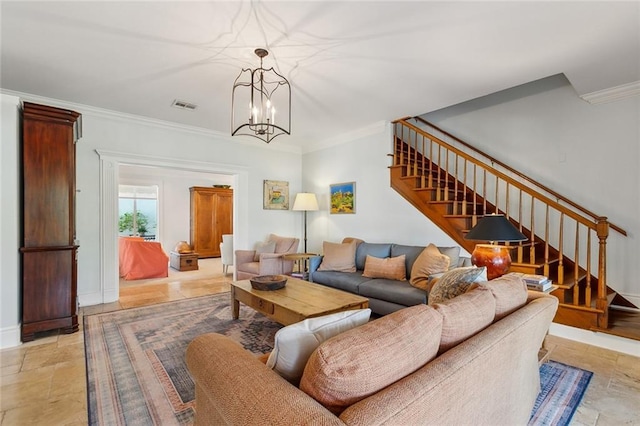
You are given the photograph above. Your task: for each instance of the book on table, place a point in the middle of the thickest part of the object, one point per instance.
(543, 286)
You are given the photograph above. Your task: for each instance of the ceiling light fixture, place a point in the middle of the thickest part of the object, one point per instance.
(256, 94)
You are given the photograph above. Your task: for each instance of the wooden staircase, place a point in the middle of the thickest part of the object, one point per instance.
(454, 188)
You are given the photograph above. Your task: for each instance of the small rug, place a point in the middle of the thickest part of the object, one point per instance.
(136, 369)
(137, 375)
(562, 389)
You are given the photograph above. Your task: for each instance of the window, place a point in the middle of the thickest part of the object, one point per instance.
(138, 211)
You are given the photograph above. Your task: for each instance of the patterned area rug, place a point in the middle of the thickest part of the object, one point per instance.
(137, 375)
(562, 389)
(136, 370)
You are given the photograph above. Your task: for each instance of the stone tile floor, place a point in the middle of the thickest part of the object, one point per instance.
(44, 382)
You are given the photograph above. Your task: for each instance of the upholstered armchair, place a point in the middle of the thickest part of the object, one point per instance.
(267, 258)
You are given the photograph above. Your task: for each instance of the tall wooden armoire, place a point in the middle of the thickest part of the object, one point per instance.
(49, 249)
(211, 217)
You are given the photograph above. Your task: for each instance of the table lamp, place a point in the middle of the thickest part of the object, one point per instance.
(493, 228)
(306, 202)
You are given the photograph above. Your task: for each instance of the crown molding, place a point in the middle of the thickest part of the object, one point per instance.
(150, 122)
(613, 94)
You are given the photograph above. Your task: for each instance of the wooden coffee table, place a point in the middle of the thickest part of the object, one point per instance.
(295, 302)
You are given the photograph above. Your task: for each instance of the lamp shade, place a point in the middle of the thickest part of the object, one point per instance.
(305, 201)
(495, 228)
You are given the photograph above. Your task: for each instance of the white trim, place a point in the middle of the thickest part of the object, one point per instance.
(109, 165)
(152, 122)
(613, 94)
(10, 336)
(603, 340)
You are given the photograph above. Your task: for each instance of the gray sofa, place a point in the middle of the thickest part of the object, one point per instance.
(385, 295)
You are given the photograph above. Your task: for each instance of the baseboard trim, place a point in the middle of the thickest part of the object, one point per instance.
(602, 340)
(10, 337)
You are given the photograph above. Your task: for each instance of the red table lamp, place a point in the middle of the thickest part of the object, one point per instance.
(493, 228)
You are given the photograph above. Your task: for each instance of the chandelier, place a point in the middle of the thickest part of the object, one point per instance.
(261, 103)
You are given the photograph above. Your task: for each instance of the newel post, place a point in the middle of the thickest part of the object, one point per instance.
(602, 229)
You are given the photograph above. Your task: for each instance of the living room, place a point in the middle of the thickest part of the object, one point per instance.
(587, 152)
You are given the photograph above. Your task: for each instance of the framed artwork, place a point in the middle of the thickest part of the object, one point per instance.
(343, 198)
(275, 195)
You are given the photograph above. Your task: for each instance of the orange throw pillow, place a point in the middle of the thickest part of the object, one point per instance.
(392, 268)
(429, 262)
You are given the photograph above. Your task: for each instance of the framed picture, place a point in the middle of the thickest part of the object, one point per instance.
(275, 195)
(343, 198)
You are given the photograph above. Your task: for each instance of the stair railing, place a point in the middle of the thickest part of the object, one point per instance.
(475, 188)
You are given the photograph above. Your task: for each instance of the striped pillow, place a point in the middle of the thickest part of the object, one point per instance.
(392, 268)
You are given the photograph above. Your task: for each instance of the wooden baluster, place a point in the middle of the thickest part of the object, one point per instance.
(576, 267)
(424, 167)
(395, 143)
(439, 191)
(430, 163)
(520, 248)
(602, 228)
(464, 188)
(455, 187)
(415, 156)
(484, 191)
(587, 289)
(560, 251)
(546, 243)
(532, 238)
(447, 175)
(506, 200)
(496, 208)
(475, 190)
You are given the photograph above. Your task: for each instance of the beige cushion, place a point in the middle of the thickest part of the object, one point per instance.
(465, 315)
(454, 283)
(510, 293)
(362, 361)
(294, 343)
(264, 247)
(453, 253)
(429, 262)
(392, 268)
(284, 244)
(352, 239)
(338, 257)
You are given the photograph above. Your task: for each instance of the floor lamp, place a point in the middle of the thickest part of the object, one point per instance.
(306, 202)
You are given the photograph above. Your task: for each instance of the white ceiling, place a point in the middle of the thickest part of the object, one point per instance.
(350, 63)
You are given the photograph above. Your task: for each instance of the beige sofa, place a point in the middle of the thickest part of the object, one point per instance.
(419, 365)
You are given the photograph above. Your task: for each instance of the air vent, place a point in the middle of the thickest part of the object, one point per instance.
(183, 105)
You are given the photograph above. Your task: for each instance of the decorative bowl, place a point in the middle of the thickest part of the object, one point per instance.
(268, 282)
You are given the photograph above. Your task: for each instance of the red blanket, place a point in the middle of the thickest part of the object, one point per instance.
(142, 259)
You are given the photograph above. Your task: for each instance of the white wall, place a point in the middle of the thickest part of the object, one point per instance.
(382, 215)
(588, 153)
(9, 224)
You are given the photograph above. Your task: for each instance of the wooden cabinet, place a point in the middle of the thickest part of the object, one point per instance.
(49, 250)
(211, 217)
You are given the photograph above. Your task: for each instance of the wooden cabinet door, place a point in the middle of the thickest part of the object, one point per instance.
(211, 217)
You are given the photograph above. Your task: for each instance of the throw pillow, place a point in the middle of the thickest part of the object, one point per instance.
(338, 257)
(362, 361)
(454, 283)
(392, 268)
(464, 316)
(429, 262)
(294, 343)
(264, 247)
(510, 293)
(453, 253)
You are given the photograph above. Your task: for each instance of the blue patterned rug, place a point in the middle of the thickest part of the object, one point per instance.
(562, 389)
(136, 370)
(137, 375)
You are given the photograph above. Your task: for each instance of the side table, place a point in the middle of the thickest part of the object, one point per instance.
(301, 264)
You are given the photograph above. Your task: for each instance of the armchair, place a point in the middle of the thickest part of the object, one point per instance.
(267, 259)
